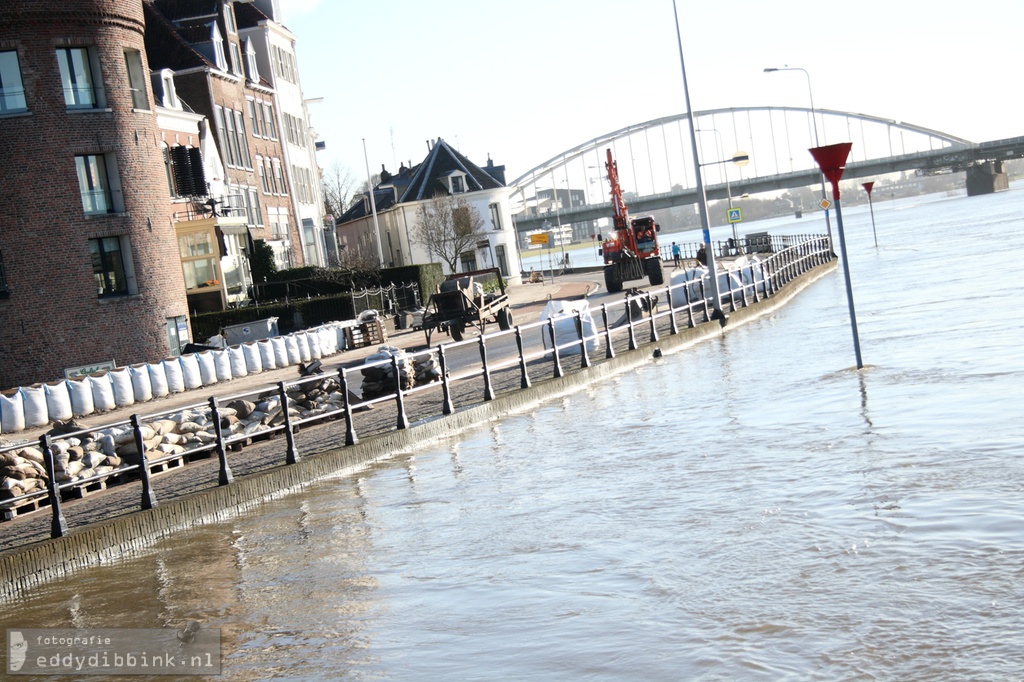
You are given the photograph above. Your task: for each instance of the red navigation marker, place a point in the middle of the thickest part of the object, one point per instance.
(867, 187)
(832, 161)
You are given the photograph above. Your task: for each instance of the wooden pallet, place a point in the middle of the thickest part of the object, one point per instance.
(14, 507)
(366, 334)
(80, 491)
(163, 467)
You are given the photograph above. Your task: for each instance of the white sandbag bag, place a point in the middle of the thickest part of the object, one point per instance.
(303, 346)
(58, 401)
(563, 316)
(158, 380)
(339, 335)
(102, 392)
(313, 340)
(291, 344)
(121, 380)
(222, 360)
(190, 371)
(328, 341)
(142, 385)
(174, 374)
(207, 367)
(267, 354)
(280, 347)
(12, 412)
(253, 359)
(34, 402)
(236, 362)
(80, 391)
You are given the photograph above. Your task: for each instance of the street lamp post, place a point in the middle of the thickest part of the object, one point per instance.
(739, 158)
(814, 124)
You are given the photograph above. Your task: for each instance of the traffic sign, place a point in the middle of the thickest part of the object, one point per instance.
(825, 204)
(735, 215)
(541, 238)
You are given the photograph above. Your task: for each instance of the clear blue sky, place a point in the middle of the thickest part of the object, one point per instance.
(523, 81)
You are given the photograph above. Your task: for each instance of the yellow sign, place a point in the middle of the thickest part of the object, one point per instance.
(541, 238)
(825, 204)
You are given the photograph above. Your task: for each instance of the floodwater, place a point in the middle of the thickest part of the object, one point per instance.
(748, 508)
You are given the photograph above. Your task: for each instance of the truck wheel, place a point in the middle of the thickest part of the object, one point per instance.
(505, 319)
(456, 329)
(655, 271)
(612, 282)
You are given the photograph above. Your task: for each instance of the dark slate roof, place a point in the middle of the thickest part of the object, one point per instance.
(248, 16)
(384, 198)
(165, 47)
(176, 10)
(440, 162)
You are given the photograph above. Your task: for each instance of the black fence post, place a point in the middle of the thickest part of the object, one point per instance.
(447, 407)
(673, 327)
(488, 387)
(650, 312)
(629, 323)
(403, 420)
(291, 455)
(554, 349)
(584, 358)
(58, 525)
(609, 350)
(148, 496)
(350, 429)
(524, 377)
(224, 476)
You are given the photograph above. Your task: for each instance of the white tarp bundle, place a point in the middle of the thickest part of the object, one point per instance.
(563, 316)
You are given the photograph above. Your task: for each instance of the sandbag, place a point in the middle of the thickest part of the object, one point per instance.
(80, 391)
(207, 367)
(174, 374)
(58, 401)
(328, 341)
(102, 392)
(12, 412)
(121, 380)
(253, 360)
(303, 347)
(190, 371)
(280, 347)
(339, 335)
(313, 339)
(34, 402)
(236, 362)
(267, 354)
(142, 385)
(158, 380)
(222, 360)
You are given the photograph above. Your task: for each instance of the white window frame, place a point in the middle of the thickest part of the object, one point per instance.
(80, 77)
(12, 88)
(136, 79)
(95, 183)
(219, 57)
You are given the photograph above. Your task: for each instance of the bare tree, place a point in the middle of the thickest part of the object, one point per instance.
(448, 226)
(339, 185)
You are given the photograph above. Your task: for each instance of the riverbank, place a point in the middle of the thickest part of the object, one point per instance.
(104, 528)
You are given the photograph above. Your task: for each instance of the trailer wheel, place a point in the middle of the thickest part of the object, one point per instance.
(505, 319)
(456, 329)
(655, 271)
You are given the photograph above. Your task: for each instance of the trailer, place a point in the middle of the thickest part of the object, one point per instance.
(460, 301)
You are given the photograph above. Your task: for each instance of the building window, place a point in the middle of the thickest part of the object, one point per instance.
(236, 59)
(458, 187)
(198, 259)
(136, 79)
(229, 19)
(268, 120)
(254, 121)
(108, 267)
(262, 171)
(12, 92)
(77, 77)
(279, 186)
(252, 208)
(250, 60)
(495, 216)
(243, 144)
(94, 184)
(219, 58)
(177, 334)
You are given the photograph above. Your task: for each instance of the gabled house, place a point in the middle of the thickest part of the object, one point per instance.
(398, 199)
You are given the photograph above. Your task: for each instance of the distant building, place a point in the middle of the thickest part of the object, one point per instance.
(398, 199)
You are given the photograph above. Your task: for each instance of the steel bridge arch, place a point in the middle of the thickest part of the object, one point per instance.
(933, 138)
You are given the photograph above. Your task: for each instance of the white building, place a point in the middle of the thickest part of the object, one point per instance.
(398, 199)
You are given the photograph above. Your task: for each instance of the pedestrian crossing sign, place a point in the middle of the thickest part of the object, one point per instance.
(735, 215)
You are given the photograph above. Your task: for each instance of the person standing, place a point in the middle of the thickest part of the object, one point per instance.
(677, 256)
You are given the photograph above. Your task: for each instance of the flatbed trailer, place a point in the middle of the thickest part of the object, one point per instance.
(461, 302)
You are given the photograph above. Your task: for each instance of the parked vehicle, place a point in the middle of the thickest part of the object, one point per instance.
(631, 252)
(460, 301)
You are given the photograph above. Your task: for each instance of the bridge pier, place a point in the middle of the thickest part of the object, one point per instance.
(986, 178)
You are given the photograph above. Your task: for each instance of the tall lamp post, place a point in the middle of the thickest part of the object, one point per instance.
(739, 158)
(814, 124)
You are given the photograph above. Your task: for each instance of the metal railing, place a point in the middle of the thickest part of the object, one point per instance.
(288, 406)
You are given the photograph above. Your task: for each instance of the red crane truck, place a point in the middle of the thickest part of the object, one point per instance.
(631, 251)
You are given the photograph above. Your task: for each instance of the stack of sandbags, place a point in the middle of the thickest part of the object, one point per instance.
(22, 472)
(380, 379)
(426, 368)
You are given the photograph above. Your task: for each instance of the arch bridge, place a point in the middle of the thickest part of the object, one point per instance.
(656, 170)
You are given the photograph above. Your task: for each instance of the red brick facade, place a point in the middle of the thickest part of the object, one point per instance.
(52, 317)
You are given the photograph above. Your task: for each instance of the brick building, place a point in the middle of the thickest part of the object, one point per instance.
(88, 248)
